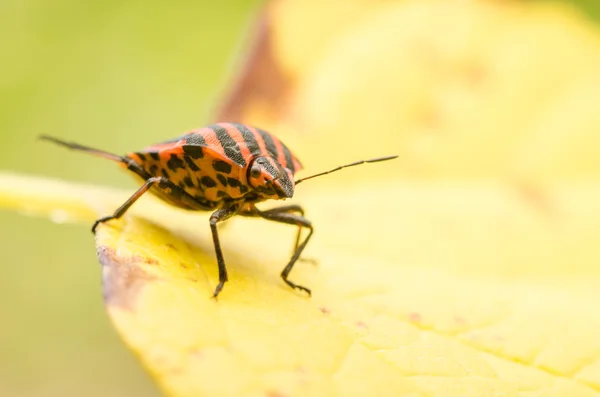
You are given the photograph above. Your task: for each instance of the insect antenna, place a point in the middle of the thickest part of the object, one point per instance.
(125, 161)
(346, 166)
(95, 152)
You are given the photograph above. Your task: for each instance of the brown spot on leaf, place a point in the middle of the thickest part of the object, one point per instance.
(362, 324)
(415, 317)
(123, 277)
(473, 74)
(325, 310)
(537, 198)
(430, 119)
(197, 353)
(275, 393)
(144, 259)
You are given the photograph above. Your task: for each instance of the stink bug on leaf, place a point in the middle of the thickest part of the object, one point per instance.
(226, 168)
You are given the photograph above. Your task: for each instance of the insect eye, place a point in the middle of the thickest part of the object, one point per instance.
(255, 171)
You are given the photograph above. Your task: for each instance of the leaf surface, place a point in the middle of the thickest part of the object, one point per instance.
(379, 323)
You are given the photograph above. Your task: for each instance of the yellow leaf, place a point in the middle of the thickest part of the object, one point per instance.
(470, 89)
(379, 322)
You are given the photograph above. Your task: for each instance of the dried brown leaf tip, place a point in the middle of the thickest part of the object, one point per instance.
(123, 277)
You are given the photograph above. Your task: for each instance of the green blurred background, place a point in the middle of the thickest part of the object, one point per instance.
(119, 76)
(112, 74)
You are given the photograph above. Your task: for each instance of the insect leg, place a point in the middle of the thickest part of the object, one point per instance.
(284, 215)
(220, 216)
(123, 208)
(163, 183)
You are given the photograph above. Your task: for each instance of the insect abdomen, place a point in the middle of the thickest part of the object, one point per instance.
(205, 178)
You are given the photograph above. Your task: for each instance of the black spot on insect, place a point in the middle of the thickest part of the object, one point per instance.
(193, 151)
(154, 156)
(221, 166)
(164, 173)
(222, 179)
(233, 182)
(141, 156)
(164, 185)
(188, 181)
(153, 169)
(222, 193)
(268, 191)
(208, 181)
(176, 193)
(191, 164)
(243, 189)
(206, 203)
(251, 197)
(175, 163)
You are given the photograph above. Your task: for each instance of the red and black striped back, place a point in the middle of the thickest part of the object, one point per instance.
(236, 142)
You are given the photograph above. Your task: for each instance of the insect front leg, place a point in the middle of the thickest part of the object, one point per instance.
(285, 215)
(220, 216)
(164, 182)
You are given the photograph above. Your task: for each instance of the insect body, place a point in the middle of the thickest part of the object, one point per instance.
(226, 168)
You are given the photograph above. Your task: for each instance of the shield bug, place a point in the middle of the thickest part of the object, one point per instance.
(226, 168)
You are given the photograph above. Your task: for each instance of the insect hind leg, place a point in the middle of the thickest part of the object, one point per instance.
(285, 215)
